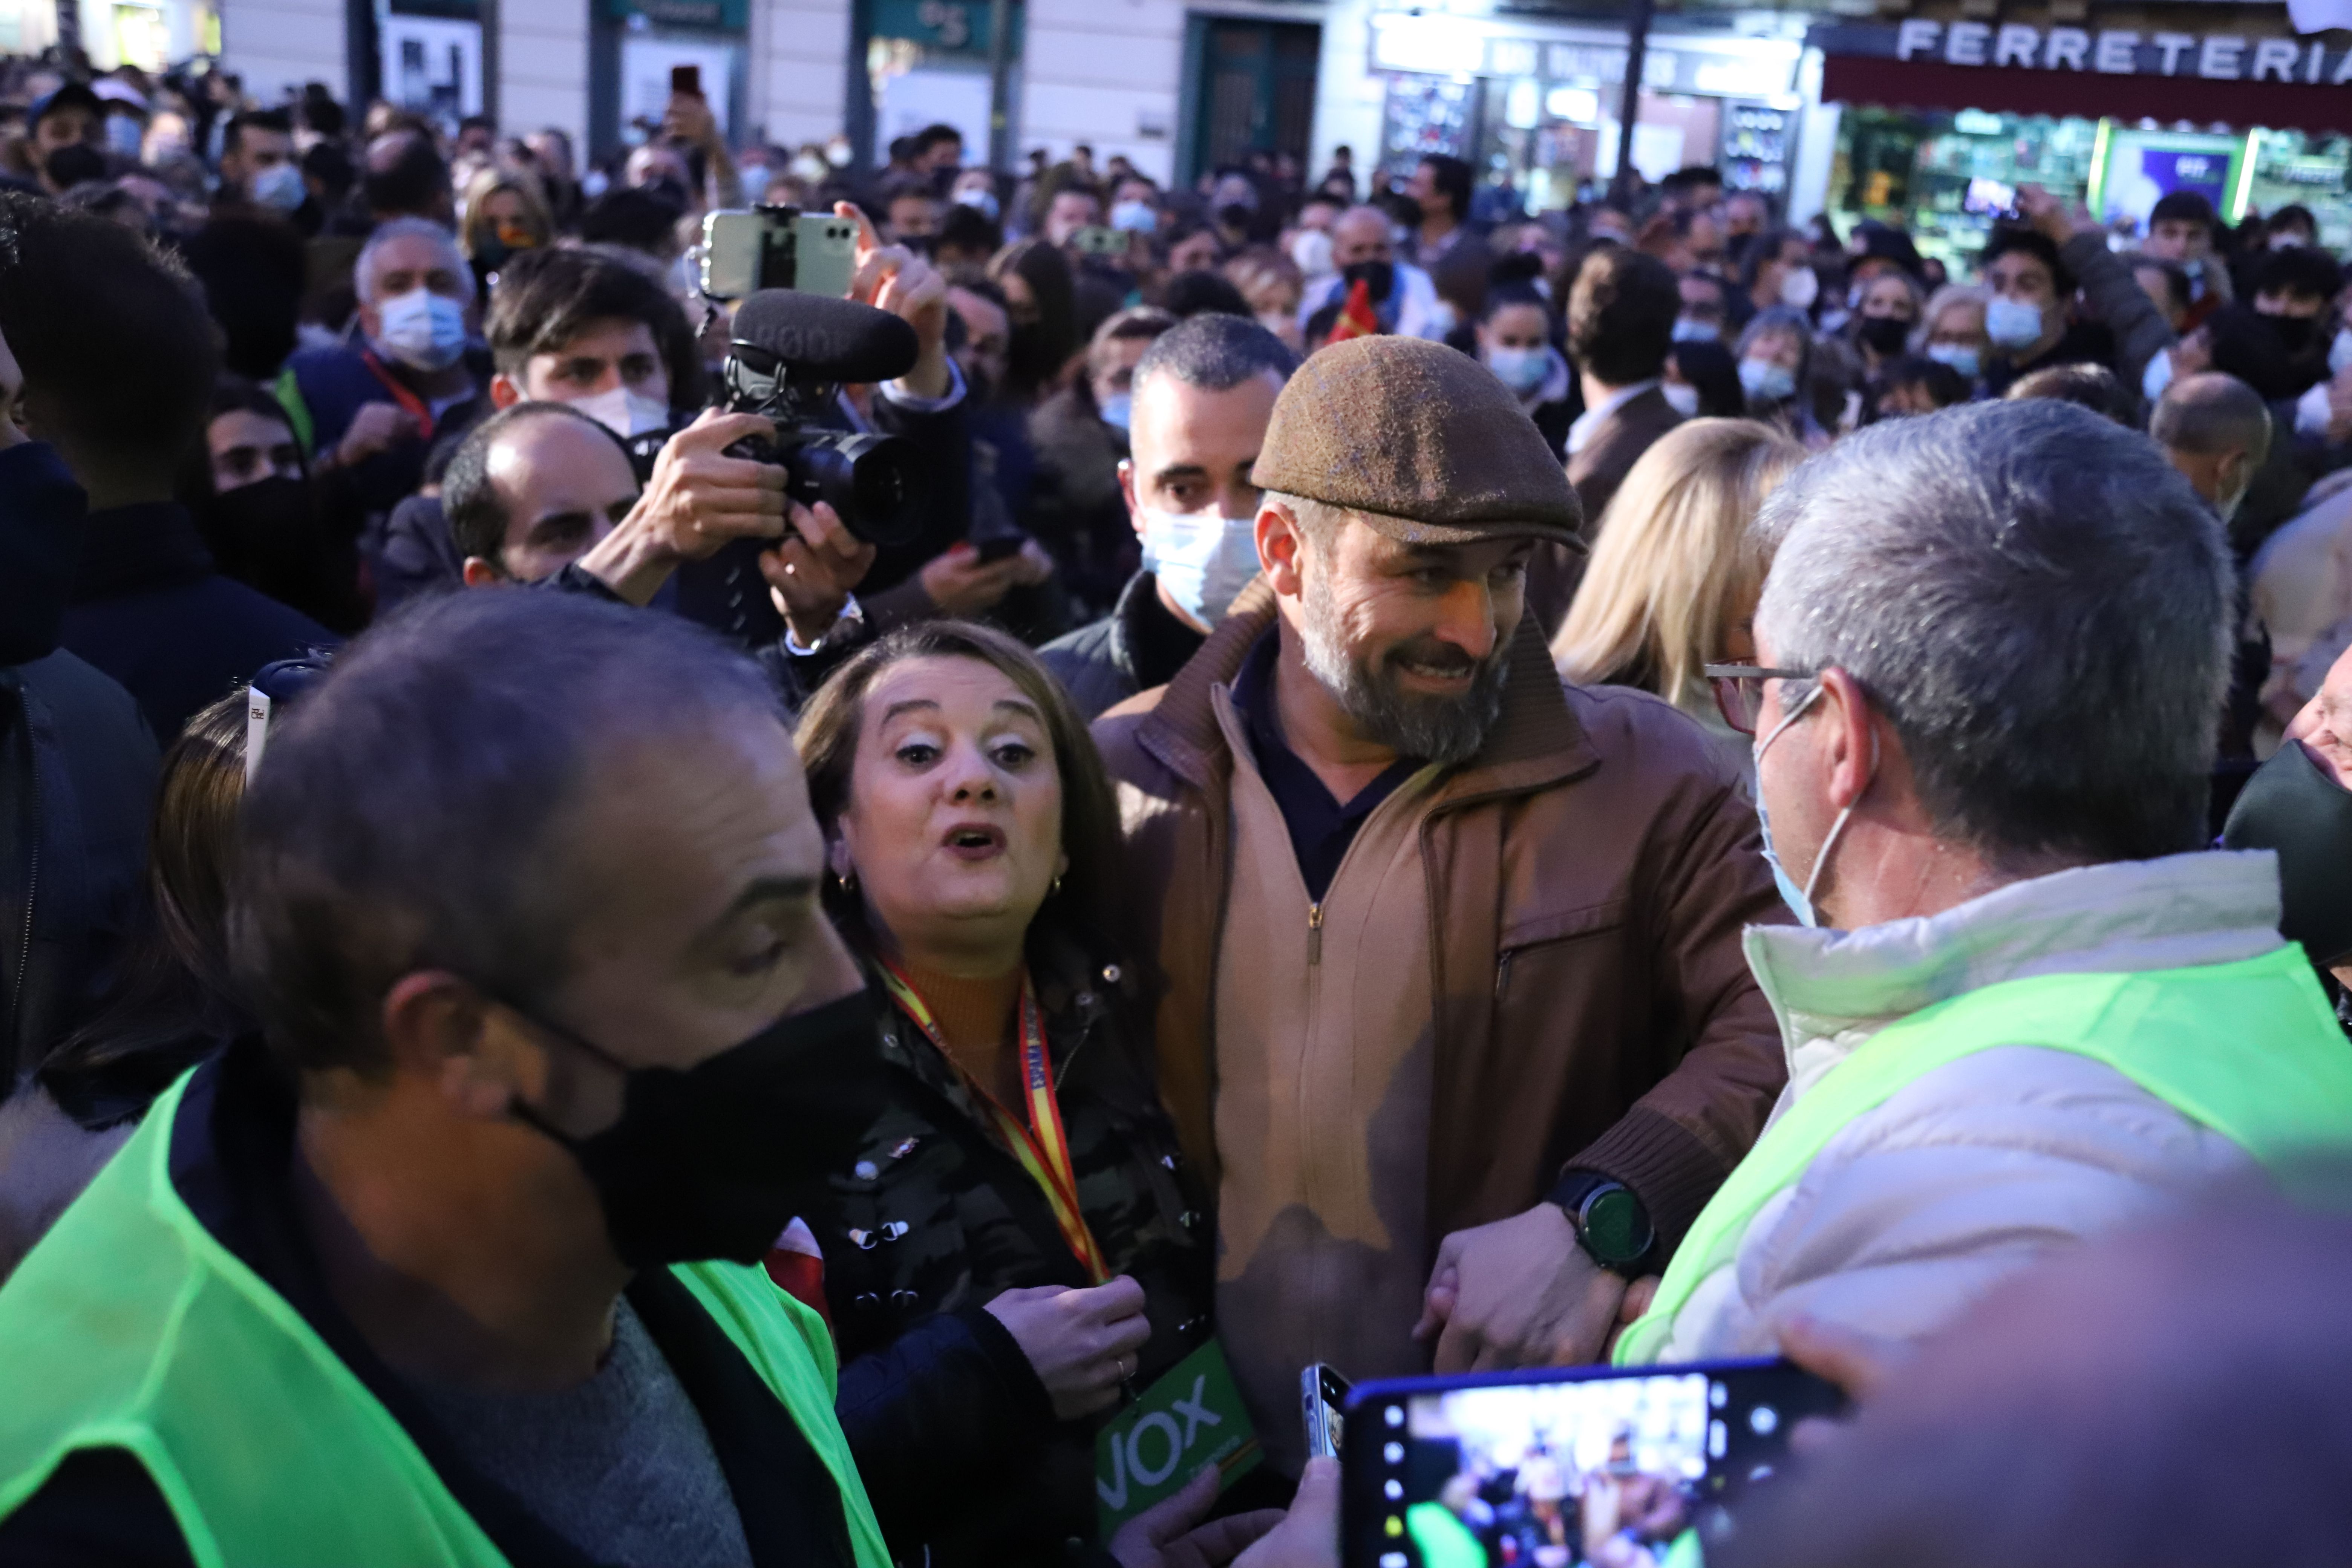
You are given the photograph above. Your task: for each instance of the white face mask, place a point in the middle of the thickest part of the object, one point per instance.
(1134, 218)
(1311, 249)
(1767, 381)
(623, 411)
(1799, 287)
(1202, 560)
(1683, 396)
(421, 330)
(278, 187)
(980, 199)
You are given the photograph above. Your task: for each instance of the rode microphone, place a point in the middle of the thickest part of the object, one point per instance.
(817, 338)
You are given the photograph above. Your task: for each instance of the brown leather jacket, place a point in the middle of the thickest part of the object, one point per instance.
(1590, 872)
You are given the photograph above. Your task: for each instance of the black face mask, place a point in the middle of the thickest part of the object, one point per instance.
(2293, 808)
(2293, 331)
(1885, 334)
(705, 1163)
(269, 523)
(1379, 277)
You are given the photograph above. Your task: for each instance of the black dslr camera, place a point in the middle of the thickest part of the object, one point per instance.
(790, 354)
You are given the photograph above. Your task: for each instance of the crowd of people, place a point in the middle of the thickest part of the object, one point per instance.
(1427, 788)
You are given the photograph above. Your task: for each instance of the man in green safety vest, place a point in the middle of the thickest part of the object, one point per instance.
(453, 1270)
(2024, 1006)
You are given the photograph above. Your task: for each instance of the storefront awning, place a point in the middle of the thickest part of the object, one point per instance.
(2276, 83)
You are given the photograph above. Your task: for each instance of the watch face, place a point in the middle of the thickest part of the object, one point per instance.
(1615, 1227)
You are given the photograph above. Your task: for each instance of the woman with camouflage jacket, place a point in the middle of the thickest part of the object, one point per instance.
(1017, 1245)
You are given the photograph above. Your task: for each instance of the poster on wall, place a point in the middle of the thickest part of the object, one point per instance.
(432, 65)
(2142, 167)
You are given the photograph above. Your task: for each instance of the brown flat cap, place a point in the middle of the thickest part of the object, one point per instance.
(1420, 436)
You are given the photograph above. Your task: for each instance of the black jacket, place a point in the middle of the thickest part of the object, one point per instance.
(150, 609)
(76, 779)
(934, 1218)
(1137, 646)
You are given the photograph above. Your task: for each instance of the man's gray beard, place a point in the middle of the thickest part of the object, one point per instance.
(1440, 730)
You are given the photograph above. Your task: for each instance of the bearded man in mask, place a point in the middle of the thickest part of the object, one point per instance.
(450, 1264)
(1454, 1010)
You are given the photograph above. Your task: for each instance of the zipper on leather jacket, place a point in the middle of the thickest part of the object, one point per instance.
(1314, 933)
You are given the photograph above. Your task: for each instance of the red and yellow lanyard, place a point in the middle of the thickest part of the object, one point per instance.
(418, 409)
(1040, 1145)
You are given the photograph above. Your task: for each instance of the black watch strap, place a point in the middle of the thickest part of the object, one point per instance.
(1612, 1222)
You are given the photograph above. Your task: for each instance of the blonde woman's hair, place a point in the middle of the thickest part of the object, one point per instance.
(1677, 555)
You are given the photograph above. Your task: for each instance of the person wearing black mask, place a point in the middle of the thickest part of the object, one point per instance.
(527, 900)
(267, 521)
(2299, 804)
(2295, 293)
(84, 303)
(1403, 297)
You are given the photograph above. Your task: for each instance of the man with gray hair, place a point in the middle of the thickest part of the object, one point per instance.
(375, 402)
(2026, 1006)
(1202, 393)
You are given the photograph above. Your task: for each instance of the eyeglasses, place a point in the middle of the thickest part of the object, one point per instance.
(1739, 690)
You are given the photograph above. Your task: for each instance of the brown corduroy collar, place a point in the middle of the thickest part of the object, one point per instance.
(1536, 740)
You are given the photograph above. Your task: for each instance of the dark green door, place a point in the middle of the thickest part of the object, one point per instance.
(1254, 90)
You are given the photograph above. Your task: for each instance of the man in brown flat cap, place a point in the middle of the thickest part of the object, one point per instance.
(1454, 1011)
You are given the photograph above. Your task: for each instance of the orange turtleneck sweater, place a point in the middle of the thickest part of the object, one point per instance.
(979, 1020)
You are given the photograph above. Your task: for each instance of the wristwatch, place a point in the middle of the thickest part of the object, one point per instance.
(1611, 1224)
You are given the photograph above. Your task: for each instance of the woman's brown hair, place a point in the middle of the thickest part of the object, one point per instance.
(173, 1000)
(1084, 909)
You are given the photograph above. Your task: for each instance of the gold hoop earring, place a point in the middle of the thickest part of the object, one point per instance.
(847, 881)
(1057, 888)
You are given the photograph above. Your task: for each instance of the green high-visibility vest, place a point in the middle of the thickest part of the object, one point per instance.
(129, 1326)
(2250, 1049)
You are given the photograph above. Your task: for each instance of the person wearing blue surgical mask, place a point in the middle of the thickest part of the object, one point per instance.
(1775, 362)
(1200, 397)
(1515, 339)
(258, 165)
(402, 378)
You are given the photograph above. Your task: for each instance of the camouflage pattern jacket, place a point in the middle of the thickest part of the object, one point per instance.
(934, 1217)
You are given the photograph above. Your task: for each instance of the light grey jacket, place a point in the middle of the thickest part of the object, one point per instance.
(1914, 1210)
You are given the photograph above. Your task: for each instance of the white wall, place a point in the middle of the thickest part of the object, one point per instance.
(278, 45)
(799, 62)
(543, 69)
(1106, 73)
(1347, 96)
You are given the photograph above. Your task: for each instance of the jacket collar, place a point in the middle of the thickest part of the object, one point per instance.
(1832, 990)
(1536, 740)
(151, 544)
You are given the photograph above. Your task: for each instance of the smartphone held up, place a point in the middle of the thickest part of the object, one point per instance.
(1634, 1467)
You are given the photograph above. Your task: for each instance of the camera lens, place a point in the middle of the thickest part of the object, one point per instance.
(870, 480)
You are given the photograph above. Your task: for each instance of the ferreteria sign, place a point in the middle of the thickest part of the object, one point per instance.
(2241, 79)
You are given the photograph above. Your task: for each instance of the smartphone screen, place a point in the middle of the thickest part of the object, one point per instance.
(1323, 1400)
(1992, 199)
(1558, 1469)
(686, 79)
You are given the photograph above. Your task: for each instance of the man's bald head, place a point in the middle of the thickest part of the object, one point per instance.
(2217, 432)
(1362, 234)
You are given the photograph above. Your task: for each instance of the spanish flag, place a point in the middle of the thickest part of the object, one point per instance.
(1356, 317)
